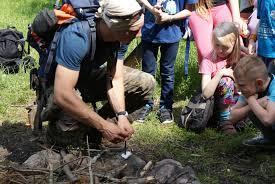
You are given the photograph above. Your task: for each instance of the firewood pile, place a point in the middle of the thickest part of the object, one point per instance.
(93, 167)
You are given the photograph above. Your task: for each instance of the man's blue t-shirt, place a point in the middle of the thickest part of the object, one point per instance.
(73, 47)
(266, 31)
(269, 92)
(168, 32)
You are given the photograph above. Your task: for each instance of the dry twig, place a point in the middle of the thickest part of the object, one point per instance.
(90, 163)
(146, 168)
(67, 169)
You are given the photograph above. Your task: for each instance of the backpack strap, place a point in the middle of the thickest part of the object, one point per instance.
(51, 52)
(187, 49)
(92, 26)
(186, 58)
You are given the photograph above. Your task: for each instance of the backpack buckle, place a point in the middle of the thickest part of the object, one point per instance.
(91, 23)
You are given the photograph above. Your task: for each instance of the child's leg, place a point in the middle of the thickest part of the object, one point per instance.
(149, 61)
(225, 97)
(268, 132)
(167, 63)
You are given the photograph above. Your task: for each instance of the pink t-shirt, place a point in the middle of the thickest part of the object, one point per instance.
(210, 67)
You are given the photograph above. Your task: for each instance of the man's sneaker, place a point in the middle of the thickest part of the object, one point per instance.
(143, 113)
(165, 116)
(259, 142)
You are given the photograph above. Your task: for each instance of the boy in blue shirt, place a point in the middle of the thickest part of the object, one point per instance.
(258, 100)
(162, 31)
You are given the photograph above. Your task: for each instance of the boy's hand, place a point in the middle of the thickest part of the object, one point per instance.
(164, 18)
(242, 25)
(251, 47)
(156, 11)
(255, 96)
(263, 102)
(247, 95)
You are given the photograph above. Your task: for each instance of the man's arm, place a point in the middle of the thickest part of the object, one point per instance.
(66, 97)
(115, 92)
(265, 115)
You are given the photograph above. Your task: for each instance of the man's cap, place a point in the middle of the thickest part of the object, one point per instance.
(120, 15)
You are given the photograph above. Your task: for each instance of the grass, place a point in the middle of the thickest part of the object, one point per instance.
(216, 158)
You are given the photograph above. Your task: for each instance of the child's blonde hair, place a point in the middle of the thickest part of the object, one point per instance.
(223, 29)
(250, 68)
(202, 7)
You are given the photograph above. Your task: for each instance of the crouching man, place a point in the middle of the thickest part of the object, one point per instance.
(125, 89)
(258, 101)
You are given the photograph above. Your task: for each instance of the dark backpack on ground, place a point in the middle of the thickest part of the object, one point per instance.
(197, 113)
(11, 49)
(43, 36)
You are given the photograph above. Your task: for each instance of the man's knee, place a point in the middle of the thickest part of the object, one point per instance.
(136, 80)
(148, 83)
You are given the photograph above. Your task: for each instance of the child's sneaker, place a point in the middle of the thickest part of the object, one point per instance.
(165, 116)
(144, 112)
(259, 142)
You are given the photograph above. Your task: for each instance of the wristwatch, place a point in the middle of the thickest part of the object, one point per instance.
(122, 113)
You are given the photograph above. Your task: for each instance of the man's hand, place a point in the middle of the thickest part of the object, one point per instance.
(124, 124)
(113, 133)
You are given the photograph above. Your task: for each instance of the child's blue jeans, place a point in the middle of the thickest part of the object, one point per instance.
(167, 61)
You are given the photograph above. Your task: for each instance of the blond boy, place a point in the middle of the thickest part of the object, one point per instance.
(258, 99)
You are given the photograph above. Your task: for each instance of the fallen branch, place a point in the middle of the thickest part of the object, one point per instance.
(143, 180)
(146, 168)
(90, 162)
(67, 169)
(26, 171)
(51, 179)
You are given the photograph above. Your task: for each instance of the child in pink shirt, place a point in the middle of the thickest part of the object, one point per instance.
(208, 14)
(217, 72)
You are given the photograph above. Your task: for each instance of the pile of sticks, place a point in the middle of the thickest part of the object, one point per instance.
(82, 172)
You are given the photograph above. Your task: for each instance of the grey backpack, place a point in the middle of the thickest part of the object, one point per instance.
(196, 115)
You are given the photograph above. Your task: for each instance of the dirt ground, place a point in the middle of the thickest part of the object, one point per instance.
(17, 138)
(17, 144)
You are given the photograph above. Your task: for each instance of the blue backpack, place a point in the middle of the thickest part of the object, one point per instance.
(43, 35)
